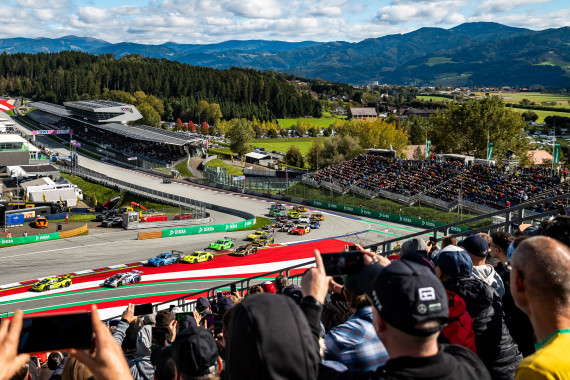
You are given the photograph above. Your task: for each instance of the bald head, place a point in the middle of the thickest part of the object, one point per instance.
(544, 265)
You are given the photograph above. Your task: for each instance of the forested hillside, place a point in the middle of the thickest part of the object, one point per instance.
(68, 75)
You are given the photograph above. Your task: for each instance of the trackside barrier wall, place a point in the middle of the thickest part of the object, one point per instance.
(195, 230)
(29, 239)
(74, 232)
(386, 216)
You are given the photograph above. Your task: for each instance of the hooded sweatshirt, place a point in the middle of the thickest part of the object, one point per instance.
(270, 338)
(141, 367)
(487, 274)
(459, 328)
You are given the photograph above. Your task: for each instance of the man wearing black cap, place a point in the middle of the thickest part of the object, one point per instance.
(196, 355)
(410, 309)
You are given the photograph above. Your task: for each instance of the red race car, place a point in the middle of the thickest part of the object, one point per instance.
(186, 215)
(300, 230)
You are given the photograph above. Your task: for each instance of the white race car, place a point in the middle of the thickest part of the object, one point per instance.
(123, 278)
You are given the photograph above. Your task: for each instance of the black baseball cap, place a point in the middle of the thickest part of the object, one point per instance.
(195, 352)
(406, 293)
(475, 245)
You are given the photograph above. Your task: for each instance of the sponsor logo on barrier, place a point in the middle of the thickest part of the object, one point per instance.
(42, 237)
(332, 205)
(231, 226)
(206, 229)
(428, 224)
(249, 223)
(405, 219)
(384, 216)
(365, 212)
(7, 241)
(317, 203)
(177, 232)
(348, 208)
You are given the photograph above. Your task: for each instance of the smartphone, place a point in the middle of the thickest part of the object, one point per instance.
(210, 319)
(144, 309)
(218, 320)
(55, 332)
(179, 316)
(233, 289)
(433, 239)
(350, 248)
(219, 296)
(342, 263)
(160, 335)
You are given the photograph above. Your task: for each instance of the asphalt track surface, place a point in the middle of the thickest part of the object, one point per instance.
(32, 261)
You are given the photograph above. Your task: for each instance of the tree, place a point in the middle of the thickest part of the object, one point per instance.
(294, 157)
(314, 153)
(205, 128)
(213, 113)
(191, 126)
(149, 114)
(464, 129)
(178, 124)
(418, 154)
(529, 116)
(416, 127)
(201, 109)
(272, 133)
(240, 134)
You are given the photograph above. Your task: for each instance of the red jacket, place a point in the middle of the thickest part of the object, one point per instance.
(459, 329)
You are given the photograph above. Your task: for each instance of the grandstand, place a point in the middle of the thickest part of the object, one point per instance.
(103, 111)
(449, 180)
(139, 140)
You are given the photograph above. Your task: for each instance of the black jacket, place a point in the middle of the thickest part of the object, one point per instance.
(495, 346)
(517, 321)
(450, 363)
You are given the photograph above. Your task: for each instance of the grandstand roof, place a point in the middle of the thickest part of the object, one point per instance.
(146, 133)
(50, 108)
(94, 104)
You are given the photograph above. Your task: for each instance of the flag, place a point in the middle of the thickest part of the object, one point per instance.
(556, 153)
(44, 197)
(490, 150)
(428, 147)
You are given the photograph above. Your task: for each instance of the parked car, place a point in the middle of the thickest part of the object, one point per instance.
(185, 215)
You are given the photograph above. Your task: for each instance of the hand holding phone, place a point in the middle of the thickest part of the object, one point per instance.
(10, 361)
(342, 263)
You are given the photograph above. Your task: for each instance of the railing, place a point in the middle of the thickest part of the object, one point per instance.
(405, 199)
(364, 192)
(475, 207)
(437, 203)
(333, 187)
(309, 181)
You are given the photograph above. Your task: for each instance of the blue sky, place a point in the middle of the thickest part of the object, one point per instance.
(210, 21)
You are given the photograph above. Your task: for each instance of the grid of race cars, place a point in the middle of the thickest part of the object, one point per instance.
(285, 220)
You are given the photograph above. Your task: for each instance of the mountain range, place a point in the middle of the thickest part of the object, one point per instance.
(479, 53)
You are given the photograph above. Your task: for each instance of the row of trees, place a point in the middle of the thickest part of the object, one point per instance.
(71, 75)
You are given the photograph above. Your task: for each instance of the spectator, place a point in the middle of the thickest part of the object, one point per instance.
(196, 355)
(53, 361)
(336, 311)
(281, 282)
(448, 240)
(75, 370)
(164, 366)
(10, 361)
(149, 319)
(557, 228)
(269, 338)
(414, 245)
(294, 292)
(23, 373)
(355, 343)
(494, 344)
(478, 249)
(254, 289)
(224, 305)
(203, 305)
(269, 287)
(540, 284)
(459, 327)
(410, 309)
(517, 321)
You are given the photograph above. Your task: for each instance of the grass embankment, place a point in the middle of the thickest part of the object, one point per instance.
(322, 122)
(231, 170)
(300, 190)
(183, 169)
(282, 145)
(260, 221)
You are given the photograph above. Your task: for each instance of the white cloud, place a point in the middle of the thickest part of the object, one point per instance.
(268, 9)
(492, 7)
(426, 12)
(531, 20)
(90, 15)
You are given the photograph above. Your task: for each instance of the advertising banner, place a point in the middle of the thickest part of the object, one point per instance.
(556, 154)
(428, 147)
(386, 216)
(14, 220)
(196, 230)
(490, 150)
(29, 239)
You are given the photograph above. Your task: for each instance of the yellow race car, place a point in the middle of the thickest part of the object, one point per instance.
(50, 283)
(197, 257)
(318, 216)
(299, 208)
(254, 235)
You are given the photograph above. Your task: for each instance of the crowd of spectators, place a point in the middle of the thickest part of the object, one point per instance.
(485, 307)
(481, 184)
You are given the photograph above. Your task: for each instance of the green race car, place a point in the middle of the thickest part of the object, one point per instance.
(222, 244)
(275, 212)
(50, 283)
(197, 257)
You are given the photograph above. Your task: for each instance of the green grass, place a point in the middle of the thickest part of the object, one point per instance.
(229, 168)
(91, 189)
(537, 97)
(282, 145)
(307, 192)
(260, 221)
(220, 152)
(432, 98)
(183, 169)
(322, 122)
(438, 60)
(542, 114)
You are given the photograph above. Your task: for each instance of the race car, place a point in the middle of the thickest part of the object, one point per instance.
(260, 241)
(165, 259)
(275, 212)
(301, 229)
(244, 250)
(299, 208)
(123, 278)
(186, 215)
(267, 227)
(282, 218)
(293, 214)
(113, 221)
(197, 257)
(50, 283)
(287, 227)
(255, 234)
(304, 219)
(222, 244)
(314, 224)
(318, 216)
(278, 206)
